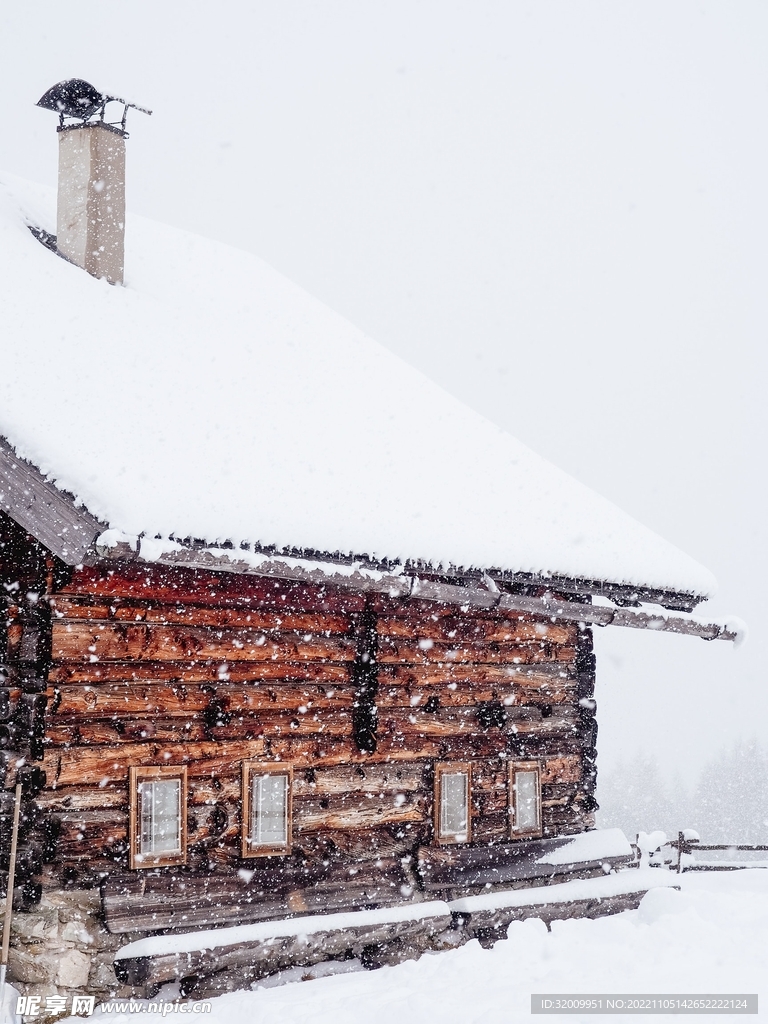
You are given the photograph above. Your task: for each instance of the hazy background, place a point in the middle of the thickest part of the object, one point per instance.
(556, 209)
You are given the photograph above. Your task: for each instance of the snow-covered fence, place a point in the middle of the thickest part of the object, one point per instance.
(688, 844)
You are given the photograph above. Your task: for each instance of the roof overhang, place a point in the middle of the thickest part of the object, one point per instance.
(48, 514)
(76, 537)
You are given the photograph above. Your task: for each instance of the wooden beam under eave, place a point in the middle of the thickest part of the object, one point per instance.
(45, 512)
(404, 586)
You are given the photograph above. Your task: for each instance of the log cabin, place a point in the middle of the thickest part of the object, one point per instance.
(287, 630)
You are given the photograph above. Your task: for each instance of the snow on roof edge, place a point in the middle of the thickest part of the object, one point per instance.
(526, 517)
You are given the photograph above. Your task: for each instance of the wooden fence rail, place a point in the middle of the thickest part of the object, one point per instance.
(682, 845)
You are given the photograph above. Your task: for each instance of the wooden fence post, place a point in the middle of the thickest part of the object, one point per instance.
(9, 898)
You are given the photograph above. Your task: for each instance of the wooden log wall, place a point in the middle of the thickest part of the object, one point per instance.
(361, 695)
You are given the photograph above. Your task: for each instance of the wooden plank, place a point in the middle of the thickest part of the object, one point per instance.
(94, 765)
(84, 641)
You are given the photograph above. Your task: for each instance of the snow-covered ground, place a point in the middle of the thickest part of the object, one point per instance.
(711, 937)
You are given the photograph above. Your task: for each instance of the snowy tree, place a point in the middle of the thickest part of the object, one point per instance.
(730, 803)
(634, 798)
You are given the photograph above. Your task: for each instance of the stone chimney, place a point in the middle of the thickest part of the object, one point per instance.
(90, 217)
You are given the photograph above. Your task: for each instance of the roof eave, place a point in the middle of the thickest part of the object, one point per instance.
(47, 513)
(73, 535)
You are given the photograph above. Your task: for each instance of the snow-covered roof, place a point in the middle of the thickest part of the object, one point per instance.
(212, 398)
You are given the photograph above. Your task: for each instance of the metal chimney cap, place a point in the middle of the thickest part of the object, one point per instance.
(73, 98)
(83, 102)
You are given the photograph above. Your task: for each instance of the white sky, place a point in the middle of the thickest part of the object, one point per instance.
(556, 209)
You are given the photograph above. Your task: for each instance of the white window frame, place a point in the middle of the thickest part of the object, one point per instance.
(516, 767)
(251, 771)
(441, 770)
(155, 773)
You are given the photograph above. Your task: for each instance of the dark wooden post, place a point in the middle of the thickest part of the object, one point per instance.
(9, 895)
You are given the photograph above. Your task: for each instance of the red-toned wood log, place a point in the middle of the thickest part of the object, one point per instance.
(95, 765)
(218, 670)
(87, 833)
(404, 652)
(84, 798)
(469, 693)
(468, 628)
(561, 770)
(400, 777)
(357, 811)
(313, 753)
(464, 722)
(439, 674)
(193, 615)
(85, 641)
(136, 699)
(189, 586)
(178, 730)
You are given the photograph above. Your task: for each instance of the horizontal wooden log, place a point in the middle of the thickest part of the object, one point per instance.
(369, 778)
(84, 798)
(464, 722)
(451, 672)
(183, 672)
(456, 747)
(482, 921)
(177, 730)
(562, 769)
(357, 811)
(469, 693)
(370, 844)
(448, 867)
(473, 628)
(414, 653)
(176, 585)
(267, 956)
(193, 615)
(130, 699)
(94, 765)
(85, 641)
(490, 828)
(259, 892)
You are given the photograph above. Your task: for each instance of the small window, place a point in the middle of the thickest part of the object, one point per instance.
(525, 799)
(158, 816)
(453, 820)
(266, 809)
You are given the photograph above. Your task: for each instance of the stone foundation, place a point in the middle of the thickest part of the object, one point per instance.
(61, 948)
